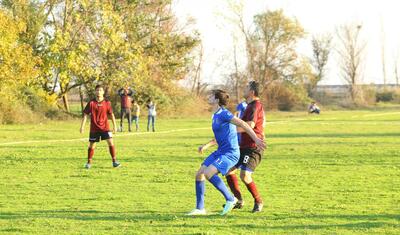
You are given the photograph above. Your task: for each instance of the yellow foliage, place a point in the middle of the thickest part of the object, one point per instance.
(17, 63)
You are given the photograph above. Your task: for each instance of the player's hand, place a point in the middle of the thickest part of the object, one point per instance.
(114, 130)
(81, 130)
(261, 145)
(201, 149)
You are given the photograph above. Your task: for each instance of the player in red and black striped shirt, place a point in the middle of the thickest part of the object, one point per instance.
(250, 155)
(99, 109)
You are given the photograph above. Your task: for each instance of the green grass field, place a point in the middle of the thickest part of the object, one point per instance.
(338, 173)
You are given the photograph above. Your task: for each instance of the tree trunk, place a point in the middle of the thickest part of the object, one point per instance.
(81, 97)
(65, 102)
(236, 76)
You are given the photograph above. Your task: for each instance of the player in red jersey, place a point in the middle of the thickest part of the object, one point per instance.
(250, 155)
(99, 109)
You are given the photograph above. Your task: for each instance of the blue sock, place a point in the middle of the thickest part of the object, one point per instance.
(200, 189)
(219, 184)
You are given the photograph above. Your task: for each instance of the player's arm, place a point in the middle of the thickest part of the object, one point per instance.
(130, 93)
(207, 145)
(251, 121)
(83, 122)
(249, 130)
(241, 130)
(120, 91)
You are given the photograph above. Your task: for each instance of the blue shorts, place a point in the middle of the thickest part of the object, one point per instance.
(222, 161)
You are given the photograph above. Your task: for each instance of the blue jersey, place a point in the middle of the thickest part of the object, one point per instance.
(241, 108)
(225, 132)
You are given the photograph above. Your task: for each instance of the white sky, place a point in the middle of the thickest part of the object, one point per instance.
(316, 16)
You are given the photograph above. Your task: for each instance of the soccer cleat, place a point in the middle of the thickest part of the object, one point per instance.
(88, 165)
(257, 207)
(197, 212)
(229, 206)
(238, 205)
(116, 164)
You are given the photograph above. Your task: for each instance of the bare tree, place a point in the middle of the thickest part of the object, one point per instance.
(383, 53)
(270, 45)
(196, 85)
(396, 67)
(321, 46)
(351, 52)
(195, 75)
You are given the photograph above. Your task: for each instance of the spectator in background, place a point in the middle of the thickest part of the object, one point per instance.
(313, 108)
(136, 114)
(152, 114)
(126, 100)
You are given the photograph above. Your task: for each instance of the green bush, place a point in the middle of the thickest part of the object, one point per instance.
(396, 95)
(285, 97)
(385, 96)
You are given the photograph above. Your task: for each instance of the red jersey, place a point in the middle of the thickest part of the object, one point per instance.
(99, 112)
(253, 113)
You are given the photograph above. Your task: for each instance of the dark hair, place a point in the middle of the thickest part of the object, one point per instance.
(222, 96)
(255, 87)
(99, 86)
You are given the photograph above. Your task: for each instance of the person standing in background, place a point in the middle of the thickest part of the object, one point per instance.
(126, 100)
(152, 114)
(136, 114)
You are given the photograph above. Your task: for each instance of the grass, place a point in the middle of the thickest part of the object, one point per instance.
(338, 173)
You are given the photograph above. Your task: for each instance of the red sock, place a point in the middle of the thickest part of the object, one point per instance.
(253, 190)
(234, 186)
(112, 152)
(90, 154)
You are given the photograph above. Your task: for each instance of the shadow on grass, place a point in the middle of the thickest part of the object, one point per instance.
(259, 221)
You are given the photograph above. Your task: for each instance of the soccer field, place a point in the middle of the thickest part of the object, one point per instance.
(338, 173)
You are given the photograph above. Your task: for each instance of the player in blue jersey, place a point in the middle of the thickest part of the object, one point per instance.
(240, 108)
(225, 157)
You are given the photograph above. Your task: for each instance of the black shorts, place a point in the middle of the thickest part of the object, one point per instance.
(249, 159)
(97, 136)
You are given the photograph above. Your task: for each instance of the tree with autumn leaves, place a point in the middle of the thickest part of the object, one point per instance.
(59, 45)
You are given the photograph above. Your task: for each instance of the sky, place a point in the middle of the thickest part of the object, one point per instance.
(379, 19)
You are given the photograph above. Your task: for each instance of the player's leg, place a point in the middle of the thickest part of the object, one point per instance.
(129, 120)
(122, 118)
(251, 160)
(111, 148)
(211, 173)
(137, 123)
(148, 122)
(200, 190)
(93, 138)
(233, 183)
(153, 120)
(247, 179)
(90, 154)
